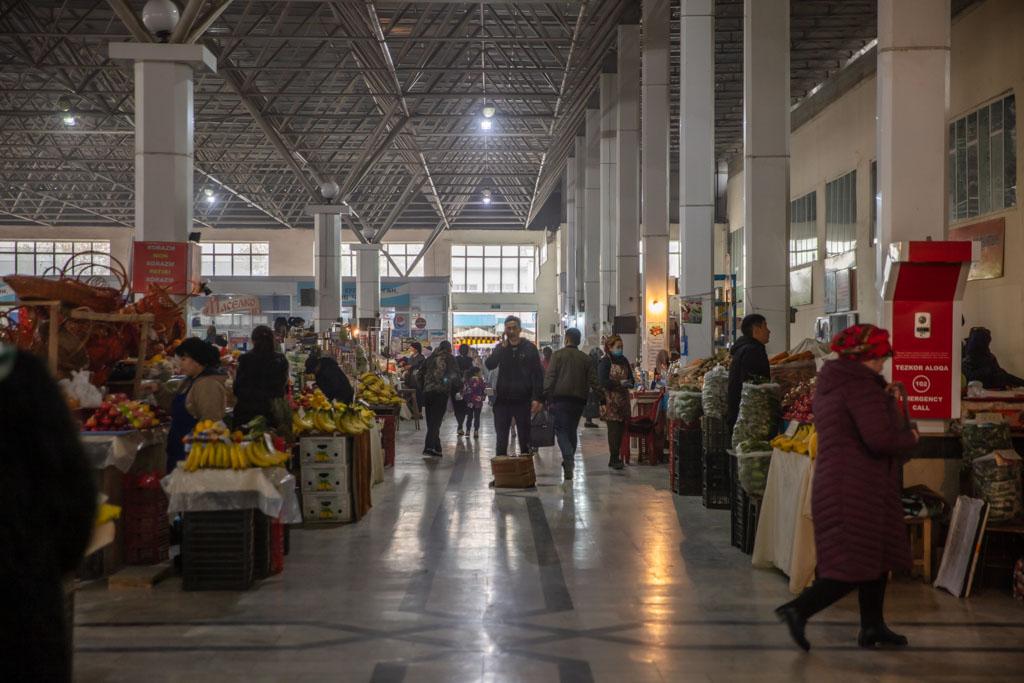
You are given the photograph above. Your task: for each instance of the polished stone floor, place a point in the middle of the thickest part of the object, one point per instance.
(607, 578)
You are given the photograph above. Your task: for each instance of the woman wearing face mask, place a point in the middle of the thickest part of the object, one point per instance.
(616, 378)
(859, 532)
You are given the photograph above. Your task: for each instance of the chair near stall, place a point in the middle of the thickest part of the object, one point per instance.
(645, 428)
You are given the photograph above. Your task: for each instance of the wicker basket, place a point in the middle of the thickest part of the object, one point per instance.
(30, 287)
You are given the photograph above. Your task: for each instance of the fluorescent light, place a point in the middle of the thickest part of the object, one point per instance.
(488, 111)
(485, 124)
(70, 121)
(210, 199)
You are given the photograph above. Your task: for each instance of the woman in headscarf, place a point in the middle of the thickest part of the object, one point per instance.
(980, 365)
(616, 378)
(859, 532)
(202, 396)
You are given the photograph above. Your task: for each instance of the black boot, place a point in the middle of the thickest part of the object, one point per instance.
(789, 615)
(616, 464)
(880, 635)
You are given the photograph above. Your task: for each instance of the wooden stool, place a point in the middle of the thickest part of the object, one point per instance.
(921, 527)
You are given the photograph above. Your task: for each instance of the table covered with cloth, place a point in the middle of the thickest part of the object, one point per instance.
(118, 449)
(785, 532)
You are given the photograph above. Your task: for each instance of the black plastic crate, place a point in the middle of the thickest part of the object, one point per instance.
(687, 461)
(738, 511)
(217, 550)
(261, 545)
(714, 435)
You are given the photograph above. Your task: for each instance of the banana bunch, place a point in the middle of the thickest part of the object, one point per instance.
(301, 423)
(349, 420)
(318, 401)
(222, 454)
(376, 391)
(800, 442)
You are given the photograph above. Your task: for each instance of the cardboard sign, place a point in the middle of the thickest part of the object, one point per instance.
(165, 264)
(242, 304)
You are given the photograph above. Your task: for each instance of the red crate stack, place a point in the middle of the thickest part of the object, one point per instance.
(147, 533)
(387, 438)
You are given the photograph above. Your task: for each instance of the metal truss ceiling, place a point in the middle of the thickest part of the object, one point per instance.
(383, 97)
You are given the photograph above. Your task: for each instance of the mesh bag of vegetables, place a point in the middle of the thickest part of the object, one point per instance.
(997, 481)
(982, 438)
(715, 394)
(760, 406)
(753, 459)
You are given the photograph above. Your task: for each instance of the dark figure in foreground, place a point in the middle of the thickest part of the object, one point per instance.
(439, 379)
(261, 382)
(330, 378)
(520, 384)
(749, 361)
(616, 378)
(592, 410)
(859, 532)
(47, 503)
(980, 365)
(570, 378)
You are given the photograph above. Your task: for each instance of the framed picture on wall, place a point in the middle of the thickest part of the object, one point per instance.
(801, 282)
(830, 291)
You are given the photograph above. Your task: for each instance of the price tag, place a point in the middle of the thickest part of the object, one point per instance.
(791, 429)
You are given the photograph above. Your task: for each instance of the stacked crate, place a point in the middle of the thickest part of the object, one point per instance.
(388, 424)
(218, 550)
(687, 459)
(716, 485)
(326, 478)
(147, 533)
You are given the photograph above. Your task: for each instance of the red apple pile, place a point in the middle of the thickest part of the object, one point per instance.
(118, 414)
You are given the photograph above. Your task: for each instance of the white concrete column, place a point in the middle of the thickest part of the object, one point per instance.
(655, 177)
(627, 183)
(581, 226)
(327, 267)
(164, 135)
(569, 286)
(592, 242)
(697, 169)
(367, 283)
(609, 141)
(913, 104)
(766, 165)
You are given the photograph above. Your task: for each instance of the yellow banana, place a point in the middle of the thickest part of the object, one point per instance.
(193, 457)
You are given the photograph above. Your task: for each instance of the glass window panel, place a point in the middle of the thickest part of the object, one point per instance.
(492, 275)
(492, 251)
(997, 116)
(222, 247)
(7, 263)
(241, 265)
(984, 163)
(474, 251)
(418, 271)
(961, 168)
(261, 265)
(206, 247)
(458, 250)
(526, 276)
(998, 194)
(103, 247)
(243, 248)
(7, 246)
(26, 264)
(26, 246)
(206, 265)
(44, 264)
(44, 247)
(261, 247)
(474, 274)
(526, 251)
(64, 247)
(509, 275)
(222, 265)
(1010, 151)
(459, 274)
(509, 251)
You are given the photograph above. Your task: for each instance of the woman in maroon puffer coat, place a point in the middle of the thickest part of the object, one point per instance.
(856, 504)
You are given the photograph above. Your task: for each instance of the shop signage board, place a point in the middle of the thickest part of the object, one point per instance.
(173, 266)
(392, 295)
(215, 305)
(420, 323)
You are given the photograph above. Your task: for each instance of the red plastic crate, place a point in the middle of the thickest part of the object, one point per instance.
(276, 547)
(387, 438)
(146, 555)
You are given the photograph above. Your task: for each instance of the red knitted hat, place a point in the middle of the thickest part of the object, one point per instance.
(862, 342)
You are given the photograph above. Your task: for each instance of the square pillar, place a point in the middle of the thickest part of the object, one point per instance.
(581, 227)
(609, 244)
(569, 281)
(627, 183)
(327, 269)
(592, 241)
(766, 165)
(697, 170)
(367, 311)
(655, 177)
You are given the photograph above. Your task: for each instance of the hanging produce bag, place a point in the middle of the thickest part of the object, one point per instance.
(997, 481)
(685, 405)
(760, 406)
(753, 461)
(715, 395)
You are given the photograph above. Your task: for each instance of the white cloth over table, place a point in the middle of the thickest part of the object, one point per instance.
(119, 450)
(376, 453)
(785, 533)
(271, 490)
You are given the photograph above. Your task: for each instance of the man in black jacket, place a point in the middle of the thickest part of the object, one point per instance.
(749, 360)
(520, 385)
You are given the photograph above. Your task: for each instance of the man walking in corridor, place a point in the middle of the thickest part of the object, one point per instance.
(520, 384)
(570, 378)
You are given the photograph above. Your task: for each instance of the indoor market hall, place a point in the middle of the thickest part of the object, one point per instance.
(400, 341)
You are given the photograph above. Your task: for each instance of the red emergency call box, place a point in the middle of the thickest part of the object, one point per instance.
(924, 287)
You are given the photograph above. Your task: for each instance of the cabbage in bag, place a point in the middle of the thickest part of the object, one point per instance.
(715, 395)
(760, 406)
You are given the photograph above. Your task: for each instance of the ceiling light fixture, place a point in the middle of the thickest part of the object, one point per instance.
(329, 190)
(488, 109)
(487, 196)
(485, 124)
(70, 121)
(160, 17)
(210, 196)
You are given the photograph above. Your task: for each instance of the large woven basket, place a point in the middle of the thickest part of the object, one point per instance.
(31, 287)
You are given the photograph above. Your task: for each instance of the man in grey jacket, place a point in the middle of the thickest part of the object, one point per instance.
(570, 378)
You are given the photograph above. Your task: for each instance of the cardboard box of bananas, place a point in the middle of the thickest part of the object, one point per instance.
(214, 446)
(805, 441)
(376, 391)
(326, 417)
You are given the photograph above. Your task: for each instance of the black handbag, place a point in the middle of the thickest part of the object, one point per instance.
(542, 429)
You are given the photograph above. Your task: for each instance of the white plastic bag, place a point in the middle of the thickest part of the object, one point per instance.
(80, 389)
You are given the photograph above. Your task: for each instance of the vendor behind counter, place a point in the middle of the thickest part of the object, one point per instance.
(980, 364)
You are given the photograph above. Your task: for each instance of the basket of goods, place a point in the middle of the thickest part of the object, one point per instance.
(753, 459)
(997, 481)
(797, 403)
(715, 392)
(758, 419)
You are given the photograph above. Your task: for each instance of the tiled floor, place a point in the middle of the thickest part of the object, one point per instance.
(607, 578)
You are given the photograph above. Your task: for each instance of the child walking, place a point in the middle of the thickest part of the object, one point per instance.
(474, 391)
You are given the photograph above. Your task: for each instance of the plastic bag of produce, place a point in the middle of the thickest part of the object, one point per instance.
(981, 438)
(715, 394)
(690, 406)
(760, 405)
(997, 481)
(753, 461)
